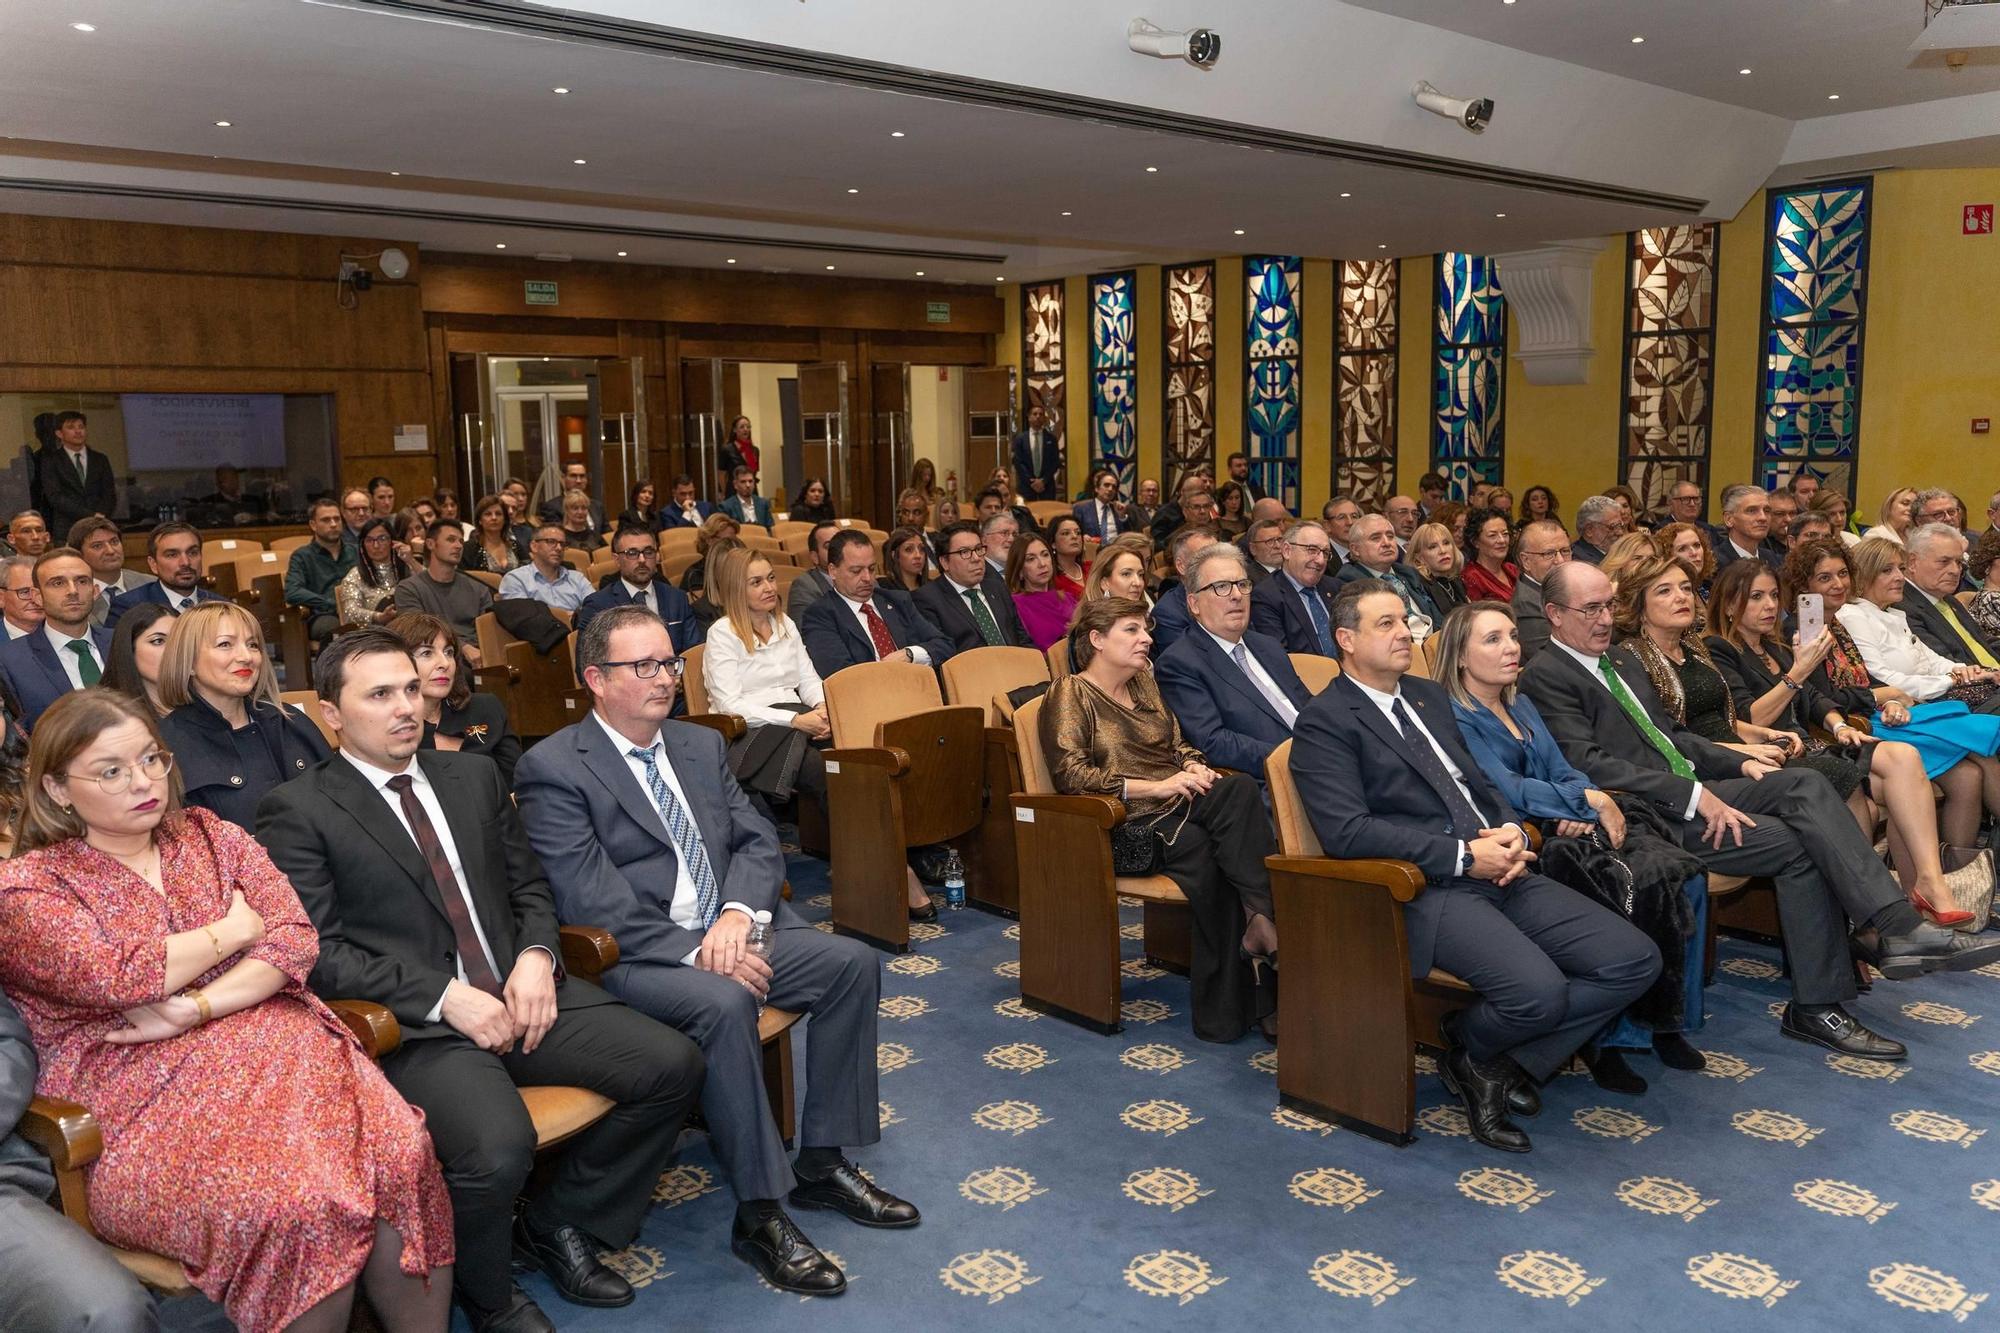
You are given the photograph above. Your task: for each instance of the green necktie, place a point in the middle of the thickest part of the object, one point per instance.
(989, 628)
(86, 663)
(1675, 760)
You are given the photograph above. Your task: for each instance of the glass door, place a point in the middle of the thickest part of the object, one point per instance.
(823, 426)
(703, 422)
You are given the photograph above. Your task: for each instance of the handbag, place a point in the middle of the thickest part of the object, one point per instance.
(1136, 849)
(1968, 884)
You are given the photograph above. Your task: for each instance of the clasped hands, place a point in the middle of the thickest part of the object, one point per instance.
(524, 1012)
(1499, 855)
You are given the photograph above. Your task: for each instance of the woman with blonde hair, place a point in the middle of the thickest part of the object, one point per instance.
(160, 961)
(1434, 555)
(1120, 570)
(232, 736)
(1896, 515)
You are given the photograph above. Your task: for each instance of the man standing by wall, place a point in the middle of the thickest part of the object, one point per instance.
(71, 480)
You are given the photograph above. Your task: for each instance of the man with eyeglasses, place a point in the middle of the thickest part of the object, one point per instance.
(1740, 817)
(68, 653)
(971, 602)
(1263, 543)
(639, 584)
(1542, 546)
(545, 578)
(1232, 689)
(1933, 569)
(1339, 516)
(20, 600)
(1933, 506)
(643, 830)
(1291, 606)
(1374, 552)
(862, 622)
(1684, 506)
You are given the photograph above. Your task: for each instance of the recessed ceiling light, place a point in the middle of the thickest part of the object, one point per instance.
(222, 124)
(1239, 231)
(1499, 215)
(1381, 247)
(920, 273)
(895, 134)
(560, 92)
(728, 261)
(499, 245)
(621, 254)
(581, 161)
(84, 27)
(1743, 71)
(1346, 194)
(1065, 212)
(829, 268)
(1152, 169)
(1833, 97)
(1638, 41)
(852, 190)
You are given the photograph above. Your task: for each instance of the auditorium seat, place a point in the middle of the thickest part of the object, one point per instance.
(1058, 656)
(307, 702)
(220, 549)
(791, 528)
(1315, 670)
(1047, 510)
(282, 547)
(677, 540)
(487, 577)
(1069, 896)
(577, 560)
(529, 685)
(904, 771)
(673, 566)
(259, 587)
(982, 678)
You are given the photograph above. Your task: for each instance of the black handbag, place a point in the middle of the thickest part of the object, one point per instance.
(1136, 849)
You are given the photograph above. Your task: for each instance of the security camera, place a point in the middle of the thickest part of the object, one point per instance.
(1475, 113)
(1200, 47)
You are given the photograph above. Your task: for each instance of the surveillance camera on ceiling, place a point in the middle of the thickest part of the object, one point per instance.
(1200, 47)
(1475, 113)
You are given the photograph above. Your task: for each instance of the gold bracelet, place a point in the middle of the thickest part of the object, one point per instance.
(200, 1003)
(214, 939)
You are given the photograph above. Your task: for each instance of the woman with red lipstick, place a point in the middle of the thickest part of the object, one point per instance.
(160, 961)
(232, 737)
(455, 716)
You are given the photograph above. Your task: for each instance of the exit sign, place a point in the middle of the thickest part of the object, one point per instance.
(539, 293)
(937, 312)
(1978, 220)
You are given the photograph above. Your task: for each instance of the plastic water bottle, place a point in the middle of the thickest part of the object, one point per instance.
(759, 943)
(954, 882)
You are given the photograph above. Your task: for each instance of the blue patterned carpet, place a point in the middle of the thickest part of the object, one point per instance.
(1145, 1179)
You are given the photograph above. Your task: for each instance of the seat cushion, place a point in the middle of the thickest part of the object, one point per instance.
(1721, 886)
(560, 1112)
(1152, 889)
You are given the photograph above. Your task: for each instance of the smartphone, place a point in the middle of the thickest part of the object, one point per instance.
(1812, 617)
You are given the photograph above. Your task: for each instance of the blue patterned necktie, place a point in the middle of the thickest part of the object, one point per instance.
(1316, 612)
(687, 838)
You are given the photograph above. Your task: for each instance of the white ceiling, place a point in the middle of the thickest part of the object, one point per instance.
(326, 101)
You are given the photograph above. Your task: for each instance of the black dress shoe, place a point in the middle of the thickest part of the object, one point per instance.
(1834, 1028)
(845, 1190)
(1675, 1053)
(1610, 1072)
(778, 1250)
(570, 1259)
(1524, 1099)
(1928, 948)
(1482, 1085)
(928, 912)
(519, 1315)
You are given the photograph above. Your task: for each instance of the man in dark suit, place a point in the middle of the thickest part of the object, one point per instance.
(1746, 529)
(1599, 523)
(1291, 606)
(812, 585)
(1740, 817)
(971, 603)
(575, 477)
(71, 480)
(67, 652)
(1194, 505)
(1542, 546)
(644, 829)
(1933, 566)
(639, 584)
(684, 511)
(860, 622)
(1102, 515)
(416, 871)
(1170, 610)
(1372, 543)
(1263, 542)
(1038, 458)
(1384, 772)
(173, 553)
(1233, 690)
(1238, 464)
(744, 504)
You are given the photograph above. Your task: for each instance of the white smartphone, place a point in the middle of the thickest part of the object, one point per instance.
(1812, 617)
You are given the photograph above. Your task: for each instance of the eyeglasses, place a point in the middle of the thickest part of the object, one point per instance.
(645, 668)
(1589, 610)
(1226, 587)
(964, 551)
(1562, 551)
(638, 553)
(1309, 548)
(117, 778)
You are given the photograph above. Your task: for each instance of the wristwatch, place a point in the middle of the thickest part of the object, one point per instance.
(1465, 861)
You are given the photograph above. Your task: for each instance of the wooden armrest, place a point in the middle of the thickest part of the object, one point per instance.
(875, 756)
(488, 677)
(1534, 840)
(372, 1025)
(730, 725)
(66, 1132)
(1005, 738)
(1402, 880)
(1105, 812)
(247, 599)
(588, 951)
(1861, 724)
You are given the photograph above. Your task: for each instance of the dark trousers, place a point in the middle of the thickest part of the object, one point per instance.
(55, 1279)
(1216, 858)
(836, 981)
(1820, 865)
(322, 625)
(604, 1178)
(1551, 967)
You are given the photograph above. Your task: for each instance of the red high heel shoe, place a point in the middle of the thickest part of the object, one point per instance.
(1922, 904)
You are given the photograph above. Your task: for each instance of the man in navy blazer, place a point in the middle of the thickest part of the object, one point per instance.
(1383, 772)
(173, 553)
(66, 653)
(1102, 514)
(1372, 543)
(685, 511)
(639, 584)
(643, 830)
(836, 629)
(1170, 612)
(1281, 607)
(1038, 458)
(1235, 710)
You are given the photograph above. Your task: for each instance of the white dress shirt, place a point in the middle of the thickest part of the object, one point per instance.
(420, 787)
(1893, 652)
(916, 651)
(685, 910)
(1387, 703)
(71, 665)
(1590, 665)
(1258, 676)
(15, 631)
(645, 596)
(750, 680)
(1107, 521)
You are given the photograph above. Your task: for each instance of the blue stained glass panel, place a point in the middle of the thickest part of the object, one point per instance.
(1818, 248)
(1114, 379)
(1273, 373)
(1468, 371)
(1815, 309)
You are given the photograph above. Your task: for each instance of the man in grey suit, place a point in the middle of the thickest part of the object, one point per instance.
(52, 1275)
(103, 548)
(812, 585)
(643, 830)
(1543, 545)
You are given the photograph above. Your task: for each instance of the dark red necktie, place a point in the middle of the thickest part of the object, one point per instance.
(878, 630)
(471, 954)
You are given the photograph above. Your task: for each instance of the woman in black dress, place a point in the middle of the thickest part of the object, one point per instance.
(812, 504)
(455, 716)
(640, 510)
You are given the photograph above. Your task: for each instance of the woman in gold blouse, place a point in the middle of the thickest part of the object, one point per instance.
(1107, 733)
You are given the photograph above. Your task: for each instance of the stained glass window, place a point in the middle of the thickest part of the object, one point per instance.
(1114, 377)
(1271, 376)
(1468, 372)
(1042, 353)
(1188, 292)
(1815, 304)
(1669, 359)
(1364, 441)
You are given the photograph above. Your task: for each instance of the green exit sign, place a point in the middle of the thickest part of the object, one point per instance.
(540, 293)
(937, 312)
